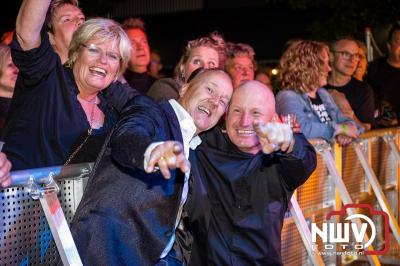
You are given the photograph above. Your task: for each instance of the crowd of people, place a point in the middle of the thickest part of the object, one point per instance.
(193, 169)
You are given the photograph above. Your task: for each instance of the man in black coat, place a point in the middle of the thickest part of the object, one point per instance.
(129, 211)
(243, 179)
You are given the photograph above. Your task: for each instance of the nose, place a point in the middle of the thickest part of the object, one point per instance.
(78, 22)
(103, 58)
(139, 45)
(15, 69)
(245, 120)
(214, 101)
(328, 68)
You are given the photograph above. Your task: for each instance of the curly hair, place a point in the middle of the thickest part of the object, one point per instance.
(301, 65)
(213, 40)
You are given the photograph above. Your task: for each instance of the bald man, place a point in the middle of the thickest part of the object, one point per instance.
(242, 182)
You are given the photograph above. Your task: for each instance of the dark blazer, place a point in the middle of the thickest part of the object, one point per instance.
(126, 216)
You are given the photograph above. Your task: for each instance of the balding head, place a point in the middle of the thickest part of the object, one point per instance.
(251, 101)
(206, 97)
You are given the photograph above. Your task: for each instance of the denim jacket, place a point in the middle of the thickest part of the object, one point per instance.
(292, 102)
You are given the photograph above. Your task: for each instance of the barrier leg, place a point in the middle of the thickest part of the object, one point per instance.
(305, 233)
(325, 151)
(389, 139)
(59, 228)
(382, 200)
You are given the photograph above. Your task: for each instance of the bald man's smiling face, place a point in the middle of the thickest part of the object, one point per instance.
(251, 101)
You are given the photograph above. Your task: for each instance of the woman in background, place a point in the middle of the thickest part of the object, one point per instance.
(205, 52)
(8, 76)
(304, 71)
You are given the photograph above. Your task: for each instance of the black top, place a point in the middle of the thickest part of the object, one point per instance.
(319, 107)
(140, 81)
(361, 98)
(385, 80)
(237, 200)
(4, 107)
(46, 122)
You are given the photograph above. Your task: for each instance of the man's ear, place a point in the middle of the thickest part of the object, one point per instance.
(183, 89)
(388, 46)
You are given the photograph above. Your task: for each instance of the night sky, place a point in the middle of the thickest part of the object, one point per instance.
(265, 27)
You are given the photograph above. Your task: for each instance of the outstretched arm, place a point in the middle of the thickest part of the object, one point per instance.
(30, 20)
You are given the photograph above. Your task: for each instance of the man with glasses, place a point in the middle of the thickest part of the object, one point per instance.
(355, 98)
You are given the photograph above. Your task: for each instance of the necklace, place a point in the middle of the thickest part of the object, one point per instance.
(89, 132)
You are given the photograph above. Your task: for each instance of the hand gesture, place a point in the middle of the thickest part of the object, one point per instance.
(168, 155)
(274, 136)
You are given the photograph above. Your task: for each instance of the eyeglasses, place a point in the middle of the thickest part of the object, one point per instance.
(348, 56)
(97, 53)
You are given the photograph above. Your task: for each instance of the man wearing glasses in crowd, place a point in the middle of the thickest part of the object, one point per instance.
(344, 57)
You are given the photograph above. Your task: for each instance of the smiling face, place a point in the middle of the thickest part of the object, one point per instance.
(206, 98)
(343, 64)
(202, 56)
(252, 101)
(95, 66)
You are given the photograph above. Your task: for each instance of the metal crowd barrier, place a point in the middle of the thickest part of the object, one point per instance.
(36, 232)
(365, 172)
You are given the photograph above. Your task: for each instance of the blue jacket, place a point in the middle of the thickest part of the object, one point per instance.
(292, 102)
(126, 216)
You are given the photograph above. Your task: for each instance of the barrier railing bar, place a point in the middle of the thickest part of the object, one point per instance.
(305, 233)
(382, 200)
